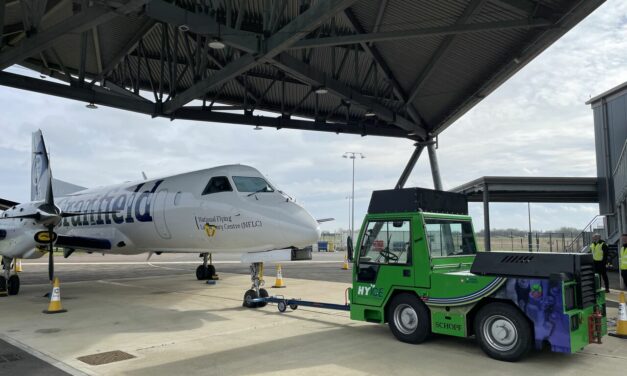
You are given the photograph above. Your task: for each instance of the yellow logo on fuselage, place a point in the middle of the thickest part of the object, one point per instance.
(210, 230)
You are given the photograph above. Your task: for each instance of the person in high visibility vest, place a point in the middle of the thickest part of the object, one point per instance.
(599, 255)
(623, 259)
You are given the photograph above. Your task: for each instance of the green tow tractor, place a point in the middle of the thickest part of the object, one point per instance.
(416, 268)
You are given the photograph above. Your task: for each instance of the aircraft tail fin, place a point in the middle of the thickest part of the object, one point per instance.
(41, 176)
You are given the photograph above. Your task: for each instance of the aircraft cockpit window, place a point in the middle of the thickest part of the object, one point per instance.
(217, 184)
(251, 184)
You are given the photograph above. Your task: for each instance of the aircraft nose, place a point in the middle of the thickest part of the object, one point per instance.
(302, 229)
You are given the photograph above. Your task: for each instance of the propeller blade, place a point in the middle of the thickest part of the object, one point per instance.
(35, 216)
(50, 255)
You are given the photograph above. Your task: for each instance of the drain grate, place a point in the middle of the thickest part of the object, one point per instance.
(105, 357)
(6, 358)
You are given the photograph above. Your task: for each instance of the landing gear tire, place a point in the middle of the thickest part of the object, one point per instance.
(3, 284)
(211, 271)
(503, 332)
(409, 319)
(14, 285)
(263, 293)
(248, 297)
(201, 273)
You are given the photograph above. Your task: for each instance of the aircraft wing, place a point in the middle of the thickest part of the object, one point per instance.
(5, 204)
(80, 242)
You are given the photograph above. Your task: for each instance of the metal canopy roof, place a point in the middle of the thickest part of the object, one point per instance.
(532, 189)
(400, 68)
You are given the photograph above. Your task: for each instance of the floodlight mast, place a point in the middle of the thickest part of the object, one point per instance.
(353, 155)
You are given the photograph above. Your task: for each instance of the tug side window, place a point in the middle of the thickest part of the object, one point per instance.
(217, 184)
(449, 237)
(387, 242)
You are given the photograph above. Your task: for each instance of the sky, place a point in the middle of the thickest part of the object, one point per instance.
(536, 124)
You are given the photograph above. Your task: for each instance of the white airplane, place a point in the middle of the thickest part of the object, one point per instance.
(231, 208)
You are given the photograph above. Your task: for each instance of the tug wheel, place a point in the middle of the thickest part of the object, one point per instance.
(14, 285)
(281, 306)
(409, 319)
(293, 307)
(3, 284)
(503, 332)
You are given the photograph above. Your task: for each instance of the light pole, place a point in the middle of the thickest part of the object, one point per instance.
(353, 155)
(349, 212)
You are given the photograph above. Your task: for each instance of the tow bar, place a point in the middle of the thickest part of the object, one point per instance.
(282, 303)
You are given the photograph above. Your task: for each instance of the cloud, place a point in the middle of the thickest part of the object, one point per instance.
(534, 124)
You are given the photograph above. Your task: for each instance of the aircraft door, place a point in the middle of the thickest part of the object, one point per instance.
(159, 218)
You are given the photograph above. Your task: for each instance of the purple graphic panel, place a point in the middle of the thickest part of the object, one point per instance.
(541, 301)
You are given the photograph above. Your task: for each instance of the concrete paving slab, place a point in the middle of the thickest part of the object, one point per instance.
(177, 325)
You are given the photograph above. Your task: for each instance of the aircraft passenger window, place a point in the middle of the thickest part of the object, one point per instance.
(449, 237)
(218, 184)
(386, 242)
(250, 184)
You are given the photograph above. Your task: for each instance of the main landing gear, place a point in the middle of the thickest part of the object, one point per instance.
(9, 284)
(256, 277)
(206, 270)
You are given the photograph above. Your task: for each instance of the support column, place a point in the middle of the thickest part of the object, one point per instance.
(486, 217)
(410, 166)
(435, 168)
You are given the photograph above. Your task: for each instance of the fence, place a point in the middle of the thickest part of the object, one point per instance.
(540, 242)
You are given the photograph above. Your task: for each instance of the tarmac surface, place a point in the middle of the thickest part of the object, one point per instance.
(170, 323)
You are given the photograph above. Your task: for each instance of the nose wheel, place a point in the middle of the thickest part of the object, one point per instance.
(9, 284)
(256, 291)
(206, 270)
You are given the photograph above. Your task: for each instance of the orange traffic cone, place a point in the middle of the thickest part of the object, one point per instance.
(278, 283)
(55, 299)
(621, 322)
(345, 264)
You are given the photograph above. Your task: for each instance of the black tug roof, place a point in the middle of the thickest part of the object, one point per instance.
(417, 199)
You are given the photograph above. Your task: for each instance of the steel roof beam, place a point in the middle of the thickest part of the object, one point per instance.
(525, 7)
(203, 24)
(275, 44)
(304, 24)
(314, 77)
(130, 45)
(2, 31)
(104, 97)
(474, 6)
(420, 33)
(279, 122)
(378, 58)
(80, 22)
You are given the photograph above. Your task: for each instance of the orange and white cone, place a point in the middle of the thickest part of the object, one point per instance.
(55, 299)
(621, 322)
(345, 264)
(18, 265)
(278, 283)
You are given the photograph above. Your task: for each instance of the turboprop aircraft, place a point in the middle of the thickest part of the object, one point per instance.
(231, 208)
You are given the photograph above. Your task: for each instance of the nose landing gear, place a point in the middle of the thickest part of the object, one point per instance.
(206, 270)
(9, 284)
(256, 291)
